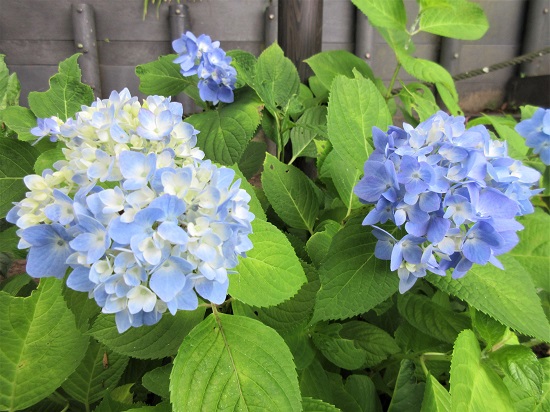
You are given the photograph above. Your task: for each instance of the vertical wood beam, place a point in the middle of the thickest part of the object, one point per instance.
(85, 43)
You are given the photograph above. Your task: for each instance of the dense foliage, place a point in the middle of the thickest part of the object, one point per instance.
(182, 267)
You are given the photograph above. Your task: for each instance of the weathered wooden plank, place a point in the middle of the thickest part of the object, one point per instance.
(126, 53)
(476, 56)
(119, 77)
(43, 52)
(338, 21)
(32, 78)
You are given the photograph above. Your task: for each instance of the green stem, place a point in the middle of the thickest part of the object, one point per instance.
(392, 81)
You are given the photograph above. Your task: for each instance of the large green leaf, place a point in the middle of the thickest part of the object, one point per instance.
(355, 106)
(353, 281)
(41, 345)
(354, 344)
(16, 161)
(276, 79)
(544, 404)
(318, 245)
(329, 64)
(21, 120)
(344, 177)
(225, 133)
(147, 342)
(66, 94)
(384, 13)
(359, 395)
(459, 19)
(533, 249)
(245, 64)
(271, 273)
(98, 373)
(430, 318)
(163, 77)
(253, 158)
(234, 363)
(291, 193)
(408, 392)
(507, 295)
(436, 397)
(309, 126)
(158, 380)
(474, 386)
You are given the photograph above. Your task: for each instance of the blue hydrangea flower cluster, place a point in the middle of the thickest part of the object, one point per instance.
(201, 56)
(536, 132)
(455, 191)
(138, 218)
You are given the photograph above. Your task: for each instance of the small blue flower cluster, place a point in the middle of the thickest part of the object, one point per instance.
(536, 132)
(142, 223)
(456, 192)
(201, 56)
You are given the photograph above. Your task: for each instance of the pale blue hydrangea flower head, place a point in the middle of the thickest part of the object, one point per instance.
(454, 191)
(140, 221)
(203, 57)
(536, 132)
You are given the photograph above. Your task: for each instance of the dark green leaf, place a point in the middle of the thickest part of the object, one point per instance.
(252, 159)
(158, 381)
(408, 393)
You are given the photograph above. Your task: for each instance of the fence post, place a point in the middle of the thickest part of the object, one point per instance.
(85, 42)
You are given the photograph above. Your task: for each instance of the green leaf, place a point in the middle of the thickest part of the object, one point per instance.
(533, 249)
(418, 97)
(163, 77)
(41, 345)
(353, 281)
(225, 133)
(383, 13)
(16, 161)
(158, 381)
(9, 241)
(252, 159)
(276, 79)
(308, 127)
(245, 64)
(147, 342)
(359, 395)
(233, 363)
(505, 130)
(329, 64)
(459, 19)
(523, 370)
(291, 194)
(271, 273)
(21, 120)
(507, 295)
(344, 177)
(355, 106)
(474, 386)
(316, 405)
(15, 284)
(9, 86)
(66, 94)
(544, 404)
(436, 397)
(315, 382)
(354, 344)
(408, 393)
(47, 159)
(318, 245)
(254, 204)
(430, 318)
(490, 331)
(98, 373)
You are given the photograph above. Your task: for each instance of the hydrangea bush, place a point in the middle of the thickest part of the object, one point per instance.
(170, 262)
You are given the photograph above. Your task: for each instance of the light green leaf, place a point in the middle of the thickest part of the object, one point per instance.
(98, 373)
(41, 345)
(430, 318)
(408, 393)
(225, 133)
(490, 331)
(276, 79)
(533, 249)
(9, 86)
(66, 94)
(507, 295)
(354, 344)
(15, 284)
(158, 381)
(16, 161)
(47, 159)
(291, 193)
(528, 111)
(353, 281)
(436, 397)
(505, 130)
(318, 245)
(344, 177)
(329, 64)
(245, 64)
(544, 404)
(418, 97)
(316, 405)
(523, 370)
(355, 106)
(147, 342)
(163, 77)
(474, 386)
(360, 395)
(271, 273)
(384, 13)
(459, 19)
(21, 120)
(315, 382)
(233, 363)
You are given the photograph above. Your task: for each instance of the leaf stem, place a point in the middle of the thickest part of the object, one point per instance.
(392, 81)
